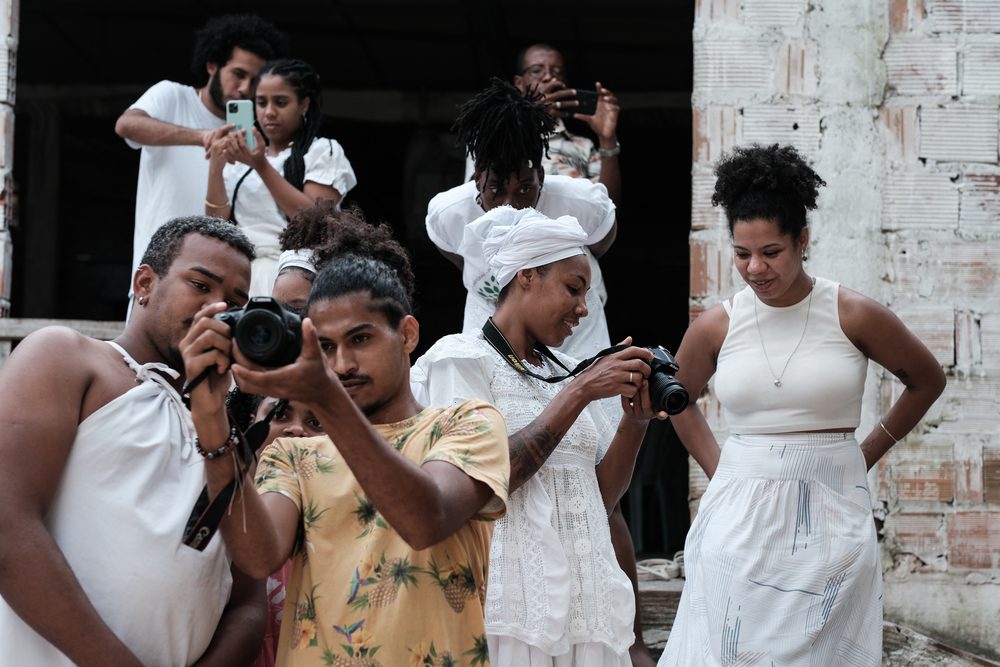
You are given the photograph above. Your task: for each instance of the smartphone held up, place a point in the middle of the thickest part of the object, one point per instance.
(241, 114)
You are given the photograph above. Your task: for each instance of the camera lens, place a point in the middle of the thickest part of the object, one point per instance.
(232, 107)
(667, 394)
(260, 335)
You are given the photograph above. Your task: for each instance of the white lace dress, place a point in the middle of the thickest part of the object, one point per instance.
(556, 595)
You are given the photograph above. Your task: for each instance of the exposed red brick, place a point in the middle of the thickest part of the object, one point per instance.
(900, 126)
(918, 65)
(974, 539)
(924, 473)
(991, 475)
(919, 533)
(980, 202)
(963, 15)
(715, 130)
(968, 471)
(899, 15)
(717, 10)
(794, 71)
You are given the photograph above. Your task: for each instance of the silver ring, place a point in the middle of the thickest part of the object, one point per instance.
(558, 104)
(630, 377)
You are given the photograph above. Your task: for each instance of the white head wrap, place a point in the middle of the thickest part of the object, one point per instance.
(300, 259)
(513, 239)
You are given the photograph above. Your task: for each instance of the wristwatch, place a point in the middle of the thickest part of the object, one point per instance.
(610, 152)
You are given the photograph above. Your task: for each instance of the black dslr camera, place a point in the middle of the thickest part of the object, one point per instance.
(267, 333)
(667, 394)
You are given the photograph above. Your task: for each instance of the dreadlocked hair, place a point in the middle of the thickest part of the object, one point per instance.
(361, 257)
(770, 182)
(310, 227)
(502, 129)
(304, 80)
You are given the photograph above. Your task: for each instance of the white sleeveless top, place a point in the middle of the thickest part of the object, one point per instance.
(554, 580)
(822, 384)
(131, 479)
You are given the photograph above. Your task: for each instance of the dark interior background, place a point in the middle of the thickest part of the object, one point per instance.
(393, 73)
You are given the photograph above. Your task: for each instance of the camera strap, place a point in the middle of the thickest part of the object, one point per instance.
(499, 343)
(207, 514)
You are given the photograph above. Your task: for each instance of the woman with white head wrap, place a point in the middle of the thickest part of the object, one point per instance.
(556, 595)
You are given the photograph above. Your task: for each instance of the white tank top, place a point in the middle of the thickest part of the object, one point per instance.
(131, 479)
(822, 384)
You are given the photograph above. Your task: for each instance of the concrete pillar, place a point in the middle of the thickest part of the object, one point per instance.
(8, 74)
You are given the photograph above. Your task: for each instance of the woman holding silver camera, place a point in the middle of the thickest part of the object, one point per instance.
(289, 168)
(782, 563)
(556, 594)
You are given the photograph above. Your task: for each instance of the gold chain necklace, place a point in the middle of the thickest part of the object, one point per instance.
(777, 378)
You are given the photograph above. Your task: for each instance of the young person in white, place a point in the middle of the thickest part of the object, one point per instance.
(104, 474)
(174, 124)
(450, 212)
(556, 593)
(261, 189)
(782, 560)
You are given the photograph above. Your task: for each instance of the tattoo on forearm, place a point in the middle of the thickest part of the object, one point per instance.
(529, 448)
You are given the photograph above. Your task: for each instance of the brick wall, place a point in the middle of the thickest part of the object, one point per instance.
(897, 104)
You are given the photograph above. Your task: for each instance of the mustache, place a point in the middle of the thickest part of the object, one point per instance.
(353, 377)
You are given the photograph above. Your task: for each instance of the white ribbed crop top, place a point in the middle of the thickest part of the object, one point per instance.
(820, 388)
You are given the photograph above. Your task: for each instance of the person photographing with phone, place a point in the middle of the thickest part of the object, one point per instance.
(263, 175)
(542, 68)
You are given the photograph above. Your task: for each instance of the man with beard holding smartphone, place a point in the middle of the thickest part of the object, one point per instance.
(542, 67)
(174, 124)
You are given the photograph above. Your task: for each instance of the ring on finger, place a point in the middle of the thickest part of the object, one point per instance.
(558, 104)
(630, 377)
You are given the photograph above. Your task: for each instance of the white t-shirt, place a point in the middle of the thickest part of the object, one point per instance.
(172, 179)
(449, 212)
(259, 216)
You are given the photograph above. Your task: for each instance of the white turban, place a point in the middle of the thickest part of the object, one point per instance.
(513, 239)
(300, 259)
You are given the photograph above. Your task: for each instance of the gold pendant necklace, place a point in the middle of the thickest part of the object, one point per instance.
(777, 378)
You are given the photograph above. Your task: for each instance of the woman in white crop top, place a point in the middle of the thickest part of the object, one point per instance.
(782, 560)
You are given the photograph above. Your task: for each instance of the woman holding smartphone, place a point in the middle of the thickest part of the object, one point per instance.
(289, 168)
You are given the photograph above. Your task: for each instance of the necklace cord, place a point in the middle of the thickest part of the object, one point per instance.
(760, 336)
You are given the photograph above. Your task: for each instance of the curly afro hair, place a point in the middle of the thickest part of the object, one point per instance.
(771, 182)
(502, 129)
(362, 257)
(215, 42)
(310, 227)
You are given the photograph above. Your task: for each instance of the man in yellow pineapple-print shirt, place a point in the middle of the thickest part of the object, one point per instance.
(388, 518)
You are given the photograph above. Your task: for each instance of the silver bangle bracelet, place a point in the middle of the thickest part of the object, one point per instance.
(894, 438)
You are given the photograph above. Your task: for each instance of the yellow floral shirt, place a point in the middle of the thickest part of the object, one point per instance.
(358, 595)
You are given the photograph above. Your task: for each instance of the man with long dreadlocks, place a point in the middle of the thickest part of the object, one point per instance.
(504, 131)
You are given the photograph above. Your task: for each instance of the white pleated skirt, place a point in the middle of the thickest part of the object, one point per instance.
(782, 562)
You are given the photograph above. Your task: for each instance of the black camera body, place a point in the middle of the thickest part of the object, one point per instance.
(665, 391)
(265, 331)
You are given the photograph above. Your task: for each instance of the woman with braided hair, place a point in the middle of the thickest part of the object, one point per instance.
(289, 169)
(782, 562)
(504, 132)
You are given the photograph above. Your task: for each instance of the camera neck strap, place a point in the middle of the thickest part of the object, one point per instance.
(500, 343)
(207, 514)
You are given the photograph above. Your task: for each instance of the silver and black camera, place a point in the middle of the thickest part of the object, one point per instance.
(665, 391)
(267, 333)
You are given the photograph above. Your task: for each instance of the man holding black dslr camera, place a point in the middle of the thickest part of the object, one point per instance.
(387, 518)
(542, 67)
(102, 472)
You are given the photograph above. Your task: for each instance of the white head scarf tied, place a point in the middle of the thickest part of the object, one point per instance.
(300, 259)
(513, 239)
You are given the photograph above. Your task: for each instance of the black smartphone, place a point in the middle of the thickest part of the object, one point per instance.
(588, 102)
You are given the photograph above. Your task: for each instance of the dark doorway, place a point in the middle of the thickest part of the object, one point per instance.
(393, 72)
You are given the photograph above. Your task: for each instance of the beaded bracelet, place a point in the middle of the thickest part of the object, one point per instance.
(229, 444)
